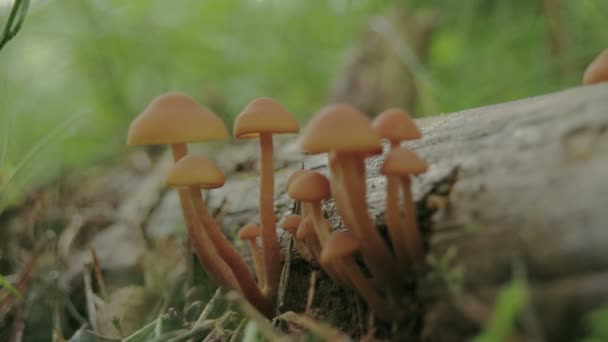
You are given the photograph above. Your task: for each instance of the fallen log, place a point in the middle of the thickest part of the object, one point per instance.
(514, 191)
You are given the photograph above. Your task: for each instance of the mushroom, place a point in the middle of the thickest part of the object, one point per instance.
(251, 232)
(204, 247)
(307, 233)
(294, 175)
(291, 224)
(196, 173)
(262, 118)
(402, 162)
(346, 134)
(177, 119)
(311, 188)
(338, 250)
(395, 125)
(597, 71)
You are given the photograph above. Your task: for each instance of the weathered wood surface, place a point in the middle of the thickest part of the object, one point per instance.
(529, 187)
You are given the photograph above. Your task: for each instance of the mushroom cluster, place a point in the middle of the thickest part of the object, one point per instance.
(177, 119)
(348, 137)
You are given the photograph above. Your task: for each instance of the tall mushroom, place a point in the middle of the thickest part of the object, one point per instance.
(346, 133)
(196, 173)
(262, 118)
(402, 162)
(395, 125)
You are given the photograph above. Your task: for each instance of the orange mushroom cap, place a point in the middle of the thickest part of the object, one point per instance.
(264, 115)
(291, 223)
(196, 170)
(396, 124)
(402, 161)
(174, 118)
(293, 177)
(597, 71)
(249, 231)
(339, 245)
(339, 127)
(309, 187)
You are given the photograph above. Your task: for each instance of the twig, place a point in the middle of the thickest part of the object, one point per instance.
(7, 303)
(90, 298)
(98, 275)
(218, 330)
(284, 277)
(311, 291)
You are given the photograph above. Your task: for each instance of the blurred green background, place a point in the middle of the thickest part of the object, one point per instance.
(80, 70)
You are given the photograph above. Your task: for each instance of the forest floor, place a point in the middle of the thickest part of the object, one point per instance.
(517, 248)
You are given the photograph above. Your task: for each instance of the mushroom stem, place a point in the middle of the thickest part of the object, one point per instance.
(396, 227)
(202, 244)
(323, 230)
(393, 219)
(314, 246)
(258, 263)
(227, 251)
(314, 210)
(364, 287)
(312, 241)
(338, 192)
(270, 240)
(374, 249)
(291, 224)
(411, 232)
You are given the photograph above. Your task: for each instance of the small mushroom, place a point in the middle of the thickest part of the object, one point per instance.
(262, 118)
(402, 162)
(196, 173)
(338, 251)
(395, 125)
(291, 224)
(307, 233)
(251, 232)
(311, 188)
(205, 249)
(597, 71)
(296, 174)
